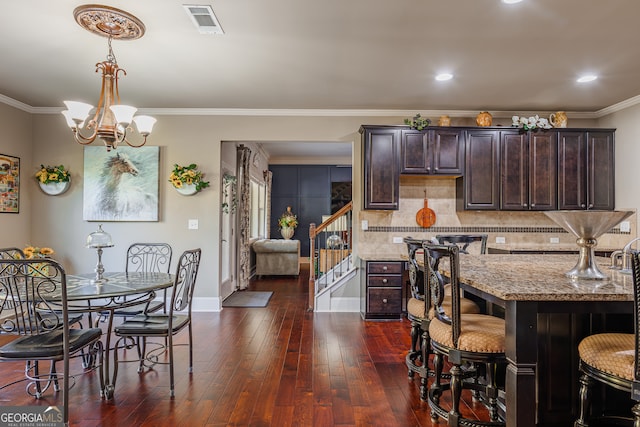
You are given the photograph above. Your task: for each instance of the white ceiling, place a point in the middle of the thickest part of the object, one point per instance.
(334, 54)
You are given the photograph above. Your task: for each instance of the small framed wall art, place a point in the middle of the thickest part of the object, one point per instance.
(9, 184)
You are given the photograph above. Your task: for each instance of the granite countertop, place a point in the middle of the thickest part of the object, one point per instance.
(541, 278)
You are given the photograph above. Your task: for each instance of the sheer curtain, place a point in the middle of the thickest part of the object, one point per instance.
(244, 216)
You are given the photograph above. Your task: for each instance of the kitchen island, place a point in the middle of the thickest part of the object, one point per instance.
(546, 314)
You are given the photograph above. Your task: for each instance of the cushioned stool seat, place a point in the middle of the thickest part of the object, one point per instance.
(611, 353)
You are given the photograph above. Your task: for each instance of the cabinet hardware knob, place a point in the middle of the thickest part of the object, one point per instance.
(582, 205)
(525, 205)
(384, 280)
(590, 205)
(384, 300)
(384, 268)
(533, 205)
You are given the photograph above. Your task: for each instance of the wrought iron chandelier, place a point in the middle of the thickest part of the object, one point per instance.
(111, 121)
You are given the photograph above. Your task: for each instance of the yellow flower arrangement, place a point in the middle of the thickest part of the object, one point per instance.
(182, 175)
(50, 174)
(31, 252)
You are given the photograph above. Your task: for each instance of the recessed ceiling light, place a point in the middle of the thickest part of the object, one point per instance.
(511, 1)
(587, 78)
(443, 77)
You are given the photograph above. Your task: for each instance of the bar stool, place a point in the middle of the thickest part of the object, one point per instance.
(612, 359)
(417, 357)
(462, 338)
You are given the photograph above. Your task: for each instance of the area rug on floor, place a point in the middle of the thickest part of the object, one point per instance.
(247, 299)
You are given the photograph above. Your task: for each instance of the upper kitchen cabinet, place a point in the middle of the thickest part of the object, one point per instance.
(381, 166)
(435, 151)
(480, 189)
(529, 173)
(586, 169)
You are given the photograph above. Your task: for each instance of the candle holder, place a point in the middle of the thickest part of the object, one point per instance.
(98, 240)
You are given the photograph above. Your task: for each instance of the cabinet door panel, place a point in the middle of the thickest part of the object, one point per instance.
(514, 177)
(543, 170)
(381, 168)
(572, 192)
(600, 170)
(415, 157)
(481, 179)
(448, 151)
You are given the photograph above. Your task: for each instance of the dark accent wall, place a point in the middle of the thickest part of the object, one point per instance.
(307, 189)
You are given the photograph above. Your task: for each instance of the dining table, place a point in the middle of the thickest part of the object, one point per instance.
(546, 314)
(114, 291)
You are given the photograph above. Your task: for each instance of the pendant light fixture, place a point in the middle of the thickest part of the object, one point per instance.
(110, 121)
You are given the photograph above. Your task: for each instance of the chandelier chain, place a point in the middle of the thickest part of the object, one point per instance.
(111, 57)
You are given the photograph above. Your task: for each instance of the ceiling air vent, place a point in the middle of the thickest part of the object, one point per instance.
(203, 18)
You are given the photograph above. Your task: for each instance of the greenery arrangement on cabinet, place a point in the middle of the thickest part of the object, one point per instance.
(417, 122)
(187, 178)
(229, 183)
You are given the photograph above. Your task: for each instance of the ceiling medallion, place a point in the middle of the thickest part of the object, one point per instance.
(108, 21)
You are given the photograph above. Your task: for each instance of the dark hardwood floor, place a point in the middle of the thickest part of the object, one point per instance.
(273, 366)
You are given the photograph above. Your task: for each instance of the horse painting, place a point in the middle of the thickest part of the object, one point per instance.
(121, 185)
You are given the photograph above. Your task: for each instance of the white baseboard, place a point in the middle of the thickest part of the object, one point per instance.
(342, 305)
(338, 305)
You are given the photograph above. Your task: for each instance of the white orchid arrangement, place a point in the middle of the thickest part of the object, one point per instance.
(531, 123)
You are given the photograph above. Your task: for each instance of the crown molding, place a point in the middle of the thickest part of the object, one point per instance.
(16, 104)
(332, 113)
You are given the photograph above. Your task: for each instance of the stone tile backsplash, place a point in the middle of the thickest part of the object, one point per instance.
(517, 228)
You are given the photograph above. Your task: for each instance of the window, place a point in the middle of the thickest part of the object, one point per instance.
(258, 209)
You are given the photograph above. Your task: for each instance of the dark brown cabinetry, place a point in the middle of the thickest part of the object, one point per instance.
(383, 290)
(586, 169)
(528, 165)
(479, 189)
(438, 151)
(381, 148)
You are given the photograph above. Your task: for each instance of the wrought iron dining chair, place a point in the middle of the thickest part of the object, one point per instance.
(35, 287)
(147, 257)
(478, 339)
(161, 325)
(11, 253)
(612, 359)
(417, 358)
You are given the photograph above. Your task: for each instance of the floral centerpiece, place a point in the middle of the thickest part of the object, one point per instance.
(31, 252)
(530, 123)
(52, 174)
(187, 175)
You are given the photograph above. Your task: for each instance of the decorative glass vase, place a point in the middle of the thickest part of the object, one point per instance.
(54, 188)
(287, 232)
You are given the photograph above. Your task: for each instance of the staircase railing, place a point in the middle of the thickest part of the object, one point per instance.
(330, 245)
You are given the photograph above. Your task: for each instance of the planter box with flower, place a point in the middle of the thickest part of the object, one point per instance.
(53, 180)
(287, 223)
(187, 180)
